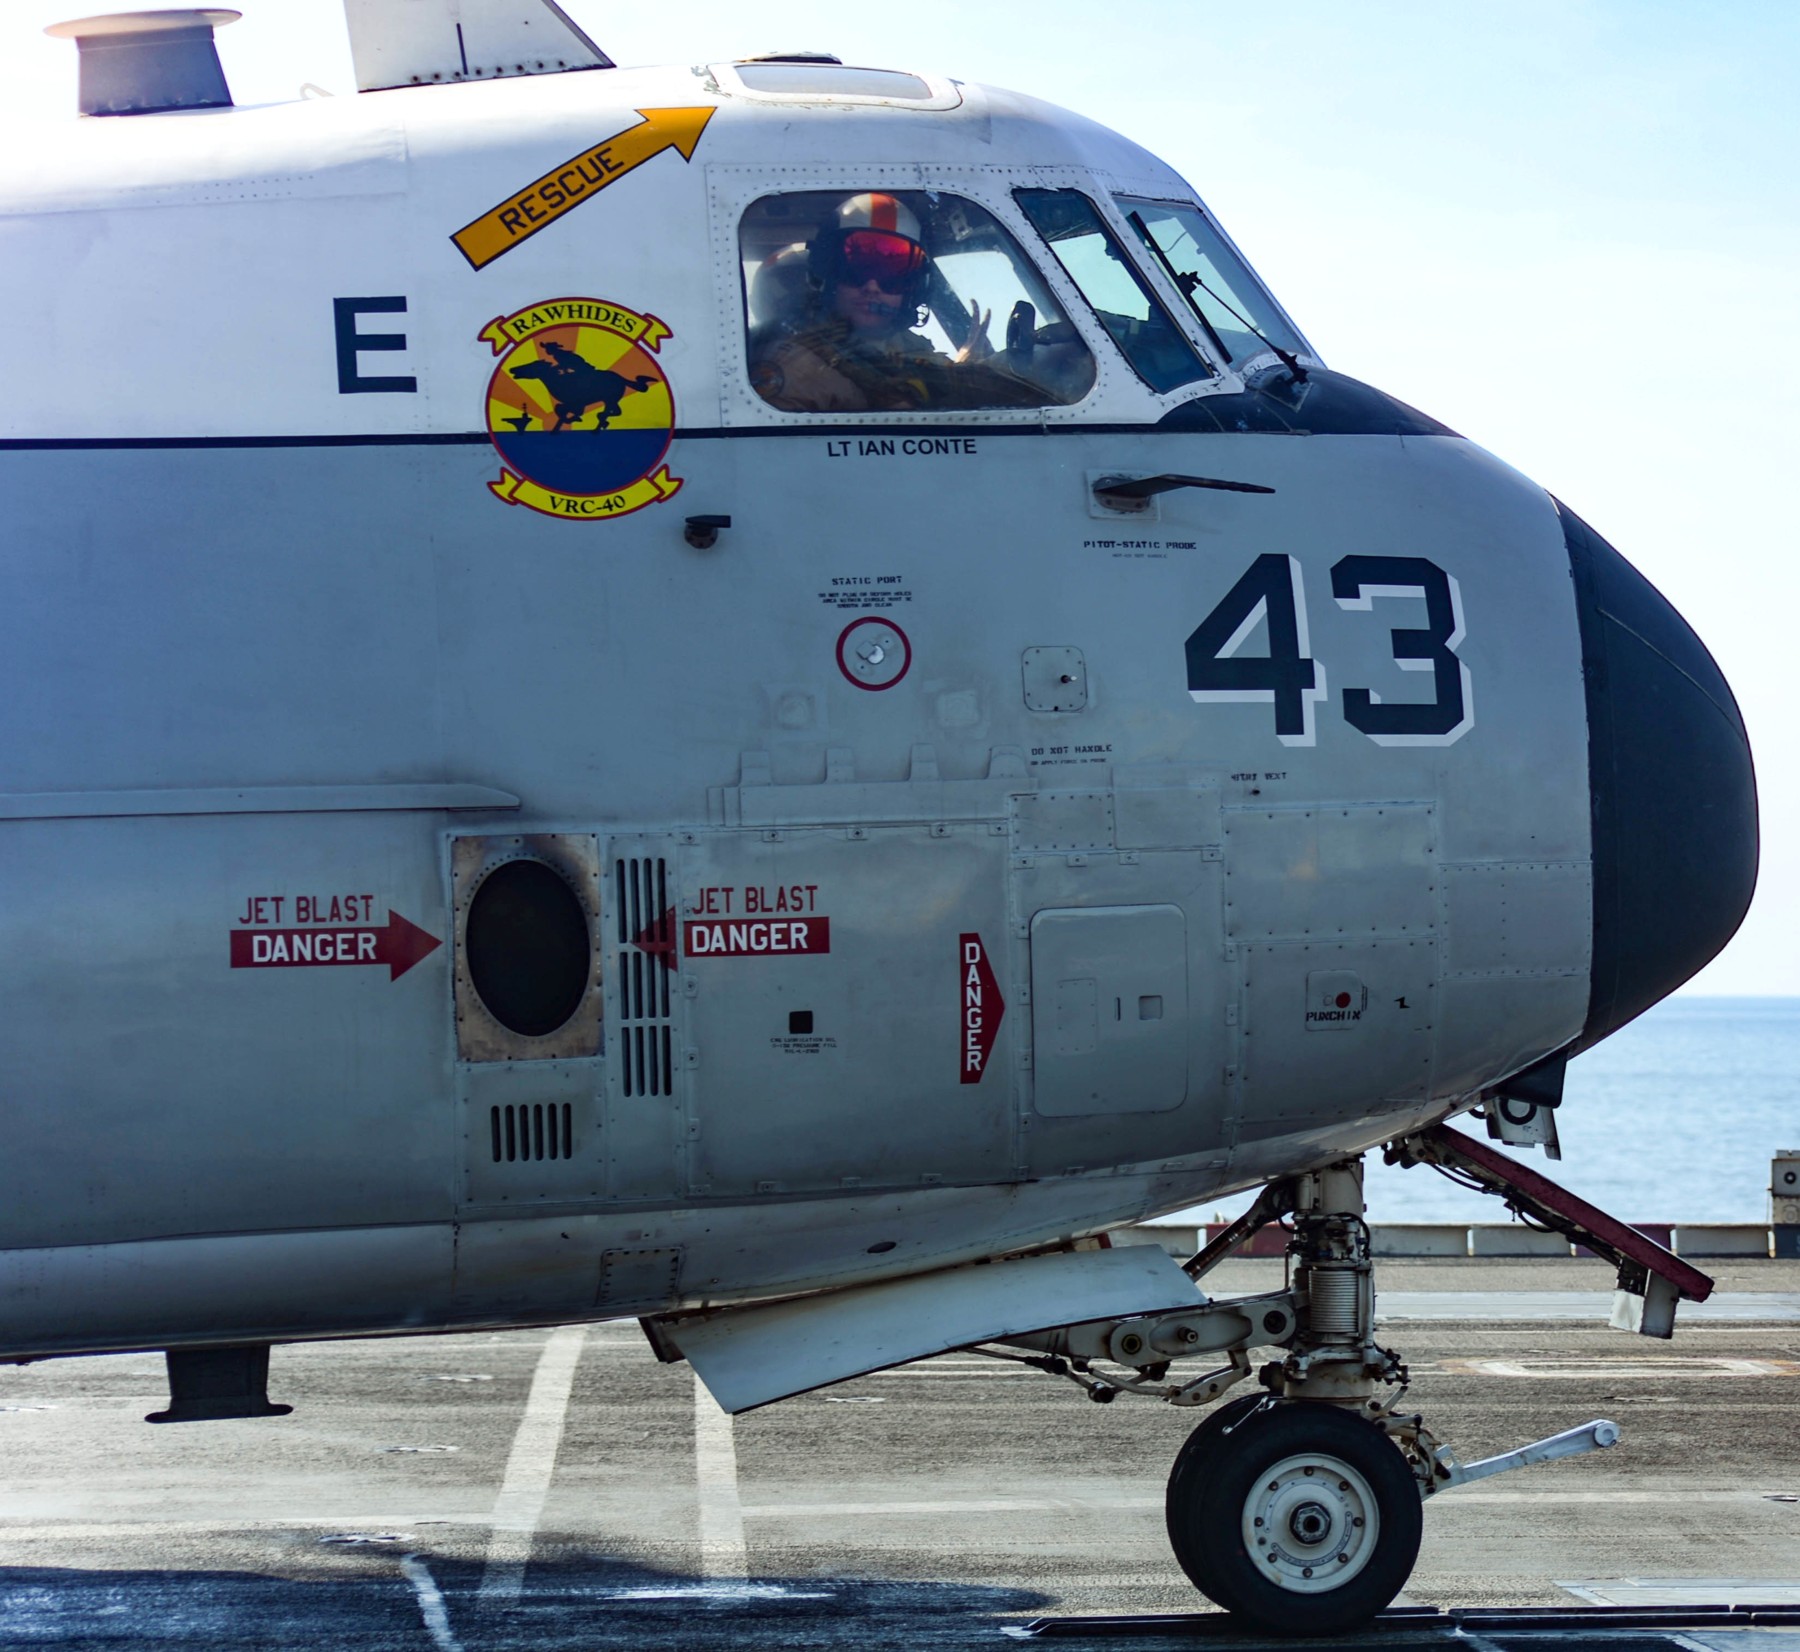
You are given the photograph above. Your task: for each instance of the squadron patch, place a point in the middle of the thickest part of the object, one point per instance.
(579, 409)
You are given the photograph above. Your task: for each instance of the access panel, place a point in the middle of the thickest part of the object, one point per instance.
(1109, 991)
(833, 1016)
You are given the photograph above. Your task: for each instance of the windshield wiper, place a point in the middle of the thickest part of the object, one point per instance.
(1188, 280)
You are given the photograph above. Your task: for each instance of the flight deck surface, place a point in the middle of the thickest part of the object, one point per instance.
(563, 1489)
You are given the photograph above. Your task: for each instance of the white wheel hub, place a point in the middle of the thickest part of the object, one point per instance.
(1310, 1523)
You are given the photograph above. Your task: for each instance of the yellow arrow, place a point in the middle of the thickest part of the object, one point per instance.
(580, 179)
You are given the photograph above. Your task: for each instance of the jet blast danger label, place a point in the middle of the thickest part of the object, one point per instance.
(310, 932)
(982, 1007)
(755, 937)
(755, 920)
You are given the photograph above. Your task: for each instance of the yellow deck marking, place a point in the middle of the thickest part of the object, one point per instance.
(579, 179)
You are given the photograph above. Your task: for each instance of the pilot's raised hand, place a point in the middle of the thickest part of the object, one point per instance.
(979, 346)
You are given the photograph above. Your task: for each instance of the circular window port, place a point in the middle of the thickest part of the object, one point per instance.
(528, 947)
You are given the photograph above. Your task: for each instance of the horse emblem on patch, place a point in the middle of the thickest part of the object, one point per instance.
(579, 409)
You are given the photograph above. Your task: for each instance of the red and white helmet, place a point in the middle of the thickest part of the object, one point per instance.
(873, 210)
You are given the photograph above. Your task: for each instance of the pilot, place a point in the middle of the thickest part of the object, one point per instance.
(856, 349)
(779, 295)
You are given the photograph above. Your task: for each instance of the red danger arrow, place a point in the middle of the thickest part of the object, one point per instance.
(397, 943)
(658, 939)
(982, 1007)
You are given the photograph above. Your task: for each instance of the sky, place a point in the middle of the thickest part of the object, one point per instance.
(1570, 229)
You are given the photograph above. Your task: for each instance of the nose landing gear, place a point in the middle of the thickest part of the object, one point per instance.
(1299, 1509)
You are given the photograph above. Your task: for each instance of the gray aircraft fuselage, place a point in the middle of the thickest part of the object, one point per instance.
(941, 888)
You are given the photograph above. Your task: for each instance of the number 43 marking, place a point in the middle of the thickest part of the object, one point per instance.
(1272, 592)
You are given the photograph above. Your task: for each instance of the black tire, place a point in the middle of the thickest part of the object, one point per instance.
(1193, 1467)
(1338, 1504)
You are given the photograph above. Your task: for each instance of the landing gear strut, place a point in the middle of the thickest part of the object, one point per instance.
(1300, 1509)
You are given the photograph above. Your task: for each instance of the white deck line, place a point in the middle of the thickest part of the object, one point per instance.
(1780, 1307)
(529, 1468)
(431, 1603)
(722, 1551)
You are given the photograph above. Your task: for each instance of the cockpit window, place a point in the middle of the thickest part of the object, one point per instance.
(1239, 316)
(899, 301)
(1122, 300)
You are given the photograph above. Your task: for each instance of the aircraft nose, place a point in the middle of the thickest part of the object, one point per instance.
(1673, 787)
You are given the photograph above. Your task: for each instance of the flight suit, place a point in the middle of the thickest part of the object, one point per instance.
(824, 368)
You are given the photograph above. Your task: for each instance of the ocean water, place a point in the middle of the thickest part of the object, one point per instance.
(1672, 1119)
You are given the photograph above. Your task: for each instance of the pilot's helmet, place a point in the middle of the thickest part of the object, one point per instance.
(872, 236)
(778, 290)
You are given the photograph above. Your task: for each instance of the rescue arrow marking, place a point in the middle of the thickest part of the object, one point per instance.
(579, 179)
(397, 943)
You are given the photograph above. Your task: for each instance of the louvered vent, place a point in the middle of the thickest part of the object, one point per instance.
(538, 1130)
(646, 925)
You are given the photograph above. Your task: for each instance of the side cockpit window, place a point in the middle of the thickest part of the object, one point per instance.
(899, 301)
(1121, 299)
(1238, 314)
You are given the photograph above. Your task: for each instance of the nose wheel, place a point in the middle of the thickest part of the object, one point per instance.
(1302, 1518)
